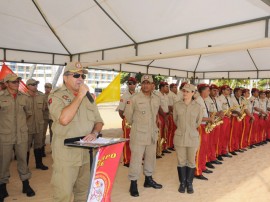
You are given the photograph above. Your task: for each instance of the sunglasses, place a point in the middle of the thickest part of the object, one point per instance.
(131, 83)
(83, 76)
(33, 84)
(14, 82)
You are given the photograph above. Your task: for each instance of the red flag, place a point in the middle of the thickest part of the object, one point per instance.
(5, 71)
(107, 160)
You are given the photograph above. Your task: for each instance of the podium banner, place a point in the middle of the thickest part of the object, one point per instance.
(103, 172)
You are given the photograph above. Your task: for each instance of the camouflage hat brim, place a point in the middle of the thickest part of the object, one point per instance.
(83, 70)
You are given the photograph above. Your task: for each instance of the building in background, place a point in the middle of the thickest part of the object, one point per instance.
(45, 74)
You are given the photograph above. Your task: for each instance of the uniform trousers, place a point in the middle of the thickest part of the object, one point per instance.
(6, 156)
(68, 179)
(35, 140)
(126, 149)
(171, 130)
(186, 156)
(245, 132)
(262, 129)
(252, 139)
(163, 130)
(225, 135)
(235, 134)
(201, 154)
(268, 127)
(47, 122)
(212, 145)
(137, 153)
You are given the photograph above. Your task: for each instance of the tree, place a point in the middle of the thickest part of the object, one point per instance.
(157, 78)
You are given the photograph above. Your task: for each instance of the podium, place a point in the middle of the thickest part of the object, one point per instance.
(75, 142)
(103, 164)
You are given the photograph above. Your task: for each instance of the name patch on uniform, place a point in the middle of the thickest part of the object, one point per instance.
(65, 97)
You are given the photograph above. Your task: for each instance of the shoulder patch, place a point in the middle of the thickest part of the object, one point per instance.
(50, 101)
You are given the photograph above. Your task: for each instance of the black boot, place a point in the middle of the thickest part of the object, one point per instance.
(190, 176)
(43, 154)
(27, 189)
(133, 188)
(27, 157)
(182, 178)
(149, 182)
(38, 157)
(3, 192)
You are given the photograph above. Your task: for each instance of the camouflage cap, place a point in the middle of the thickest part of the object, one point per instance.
(147, 78)
(75, 67)
(189, 87)
(31, 81)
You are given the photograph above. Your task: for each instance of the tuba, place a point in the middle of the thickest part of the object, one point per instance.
(160, 142)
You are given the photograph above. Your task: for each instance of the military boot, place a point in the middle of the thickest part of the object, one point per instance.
(133, 188)
(149, 182)
(182, 178)
(190, 176)
(3, 191)
(38, 157)
(27, 189)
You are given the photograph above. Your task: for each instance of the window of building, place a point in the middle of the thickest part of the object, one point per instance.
(97, 76)
(103, 76)
(40, 75)
(21, 68)
(48, 75)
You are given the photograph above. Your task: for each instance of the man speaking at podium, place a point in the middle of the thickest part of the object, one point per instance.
(73, 115)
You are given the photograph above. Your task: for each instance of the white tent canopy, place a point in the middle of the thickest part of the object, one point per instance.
(110, 31)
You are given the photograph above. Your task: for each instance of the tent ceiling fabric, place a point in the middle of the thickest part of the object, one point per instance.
(55, 32)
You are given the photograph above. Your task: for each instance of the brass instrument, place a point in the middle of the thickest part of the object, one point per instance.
(218, 120)
(243, 114)
(160, 143)
(127, 125)
(210, 126)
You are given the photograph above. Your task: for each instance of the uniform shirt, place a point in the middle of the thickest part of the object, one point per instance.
(254, 103)
(123, 101)
(187, 119)
(164, 102)
(263, 104)
(81, 125)
(224, 103)
(141, 112)
(35, 123)
(212, 104)
(172, 98)
(247, 104)
(13, 115)
(236, 103)
(204, 107)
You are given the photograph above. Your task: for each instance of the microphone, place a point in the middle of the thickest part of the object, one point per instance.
(89, 96)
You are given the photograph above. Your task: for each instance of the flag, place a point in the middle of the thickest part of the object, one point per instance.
(106, 164)
(111, 93)
(5, 71)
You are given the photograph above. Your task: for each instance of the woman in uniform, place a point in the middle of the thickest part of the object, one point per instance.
(187, 115)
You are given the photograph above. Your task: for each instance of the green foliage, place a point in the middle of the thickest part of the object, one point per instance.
(157, 79)
(232, 82)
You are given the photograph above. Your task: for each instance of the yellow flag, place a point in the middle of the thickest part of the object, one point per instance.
(111, 93)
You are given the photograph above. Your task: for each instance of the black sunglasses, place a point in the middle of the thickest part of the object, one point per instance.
(131, 83)
(14, 82)
(33, 84)
(78, 76)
